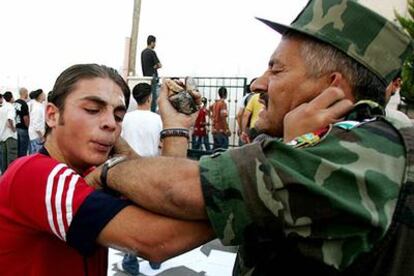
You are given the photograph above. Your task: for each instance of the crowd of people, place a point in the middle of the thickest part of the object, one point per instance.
(322, 186)
(22, 125)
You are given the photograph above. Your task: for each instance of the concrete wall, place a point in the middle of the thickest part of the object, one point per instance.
(387, 7)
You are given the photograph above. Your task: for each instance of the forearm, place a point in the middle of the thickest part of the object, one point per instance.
(151, 236)
(26, 120)
(165, 185)
(174, 146)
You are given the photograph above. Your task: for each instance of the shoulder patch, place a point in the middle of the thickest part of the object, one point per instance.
(347, 124)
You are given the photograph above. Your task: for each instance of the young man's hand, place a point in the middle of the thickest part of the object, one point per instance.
(327, 108)
(170, 117)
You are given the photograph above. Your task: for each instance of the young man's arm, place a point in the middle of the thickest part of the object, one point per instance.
(26, 120)
(152, 236)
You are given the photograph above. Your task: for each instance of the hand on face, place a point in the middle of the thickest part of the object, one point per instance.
(327, 108)
(171, 118)
(121, 147)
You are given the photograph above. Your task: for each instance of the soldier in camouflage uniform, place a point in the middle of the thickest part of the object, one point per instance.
(336, 201)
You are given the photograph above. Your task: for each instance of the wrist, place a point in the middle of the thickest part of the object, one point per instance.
(175, 132)
(110, 163)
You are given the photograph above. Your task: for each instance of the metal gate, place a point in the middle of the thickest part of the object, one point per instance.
(235, 86)
(209, 87)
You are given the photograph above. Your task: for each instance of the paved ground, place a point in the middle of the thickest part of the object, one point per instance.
(211, 259)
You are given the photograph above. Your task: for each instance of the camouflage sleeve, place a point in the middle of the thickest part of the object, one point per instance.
(334, 199)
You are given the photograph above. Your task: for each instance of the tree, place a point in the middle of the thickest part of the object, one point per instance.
(407, 73)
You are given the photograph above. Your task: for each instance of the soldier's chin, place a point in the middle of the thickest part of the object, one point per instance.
(262, 125)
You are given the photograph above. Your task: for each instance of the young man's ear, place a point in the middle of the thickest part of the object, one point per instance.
(337, 80)
(51, 115)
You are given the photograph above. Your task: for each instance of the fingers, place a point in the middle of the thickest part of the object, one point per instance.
(339, 109)
(173, 85)
(164, 91)
(328, 97)
(163, 101)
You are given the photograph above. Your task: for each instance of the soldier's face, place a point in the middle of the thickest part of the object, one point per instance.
(288, 85)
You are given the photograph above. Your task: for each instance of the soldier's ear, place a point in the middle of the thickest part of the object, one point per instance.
(51, 115)
(336, 79)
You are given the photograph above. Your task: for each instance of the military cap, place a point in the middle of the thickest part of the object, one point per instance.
(365, 36)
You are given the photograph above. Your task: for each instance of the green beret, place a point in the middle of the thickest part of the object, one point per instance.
(365, 36)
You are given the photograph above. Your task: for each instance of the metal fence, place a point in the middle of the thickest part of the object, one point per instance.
(208, 87)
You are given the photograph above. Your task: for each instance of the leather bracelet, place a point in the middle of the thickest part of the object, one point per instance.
(110, 163)
(177, 132)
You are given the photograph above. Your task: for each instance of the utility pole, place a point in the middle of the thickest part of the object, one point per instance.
(134, 38)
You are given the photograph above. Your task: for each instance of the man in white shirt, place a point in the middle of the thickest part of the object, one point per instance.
(8, 134)
(37, 120)
(141, 129)
(392, 98)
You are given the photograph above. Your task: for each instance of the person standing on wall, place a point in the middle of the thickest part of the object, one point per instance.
(150, 65)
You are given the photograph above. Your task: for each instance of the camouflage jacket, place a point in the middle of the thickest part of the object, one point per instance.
(298, 210)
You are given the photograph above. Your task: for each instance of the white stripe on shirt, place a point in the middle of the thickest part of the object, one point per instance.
(58, 202)
(48, 196)
(69, 198)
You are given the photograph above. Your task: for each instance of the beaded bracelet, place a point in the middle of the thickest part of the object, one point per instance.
(171, 132)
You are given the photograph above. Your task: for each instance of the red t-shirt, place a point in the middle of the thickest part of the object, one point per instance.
(219, 115)
(50, 219)
(200, 125)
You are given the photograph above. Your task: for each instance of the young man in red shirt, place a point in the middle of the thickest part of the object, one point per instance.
(51, 221)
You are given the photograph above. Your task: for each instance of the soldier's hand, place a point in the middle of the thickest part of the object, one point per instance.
(121, 147)
(327, 108)
(93, 178)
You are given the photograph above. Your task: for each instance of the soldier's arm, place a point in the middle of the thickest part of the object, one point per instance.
(166, 185)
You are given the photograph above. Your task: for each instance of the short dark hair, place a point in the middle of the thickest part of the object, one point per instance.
(8, 96)
(222, 92)
(150, 39)
(141, 92)
(67, 80)
(35, 94)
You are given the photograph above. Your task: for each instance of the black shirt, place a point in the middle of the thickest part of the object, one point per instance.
(148, 60)
(21, 110)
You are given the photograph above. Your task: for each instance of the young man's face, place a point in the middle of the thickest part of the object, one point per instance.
(288, 85)
(91, 122)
